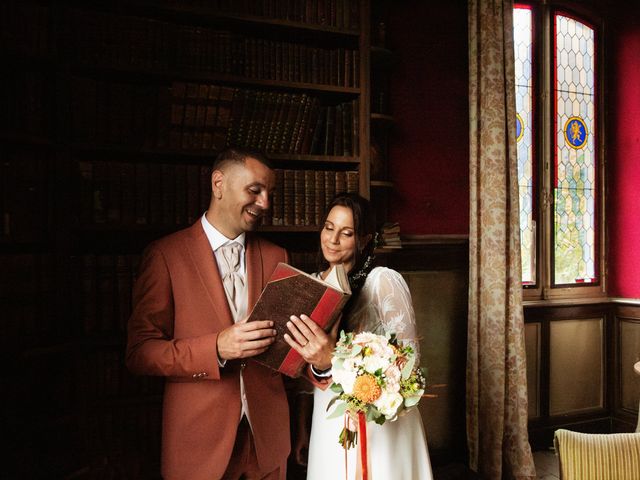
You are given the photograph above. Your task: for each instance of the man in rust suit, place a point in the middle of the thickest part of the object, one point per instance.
(223, 416)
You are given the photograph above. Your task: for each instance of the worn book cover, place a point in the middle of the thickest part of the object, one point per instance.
(293, 292)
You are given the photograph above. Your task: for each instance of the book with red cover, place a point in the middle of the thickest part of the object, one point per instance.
(293, 292)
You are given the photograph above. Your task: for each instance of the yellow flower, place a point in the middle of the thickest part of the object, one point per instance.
(366, 389)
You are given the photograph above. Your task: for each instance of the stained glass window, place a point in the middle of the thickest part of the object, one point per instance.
(523, 38)
(575, 158)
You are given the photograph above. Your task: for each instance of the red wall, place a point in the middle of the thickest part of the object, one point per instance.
(623, 134)
(429, 149)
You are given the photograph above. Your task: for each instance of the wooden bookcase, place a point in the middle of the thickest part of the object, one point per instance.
(114, 113)
(382, 121)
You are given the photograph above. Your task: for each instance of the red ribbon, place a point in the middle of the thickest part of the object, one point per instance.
(362, 428)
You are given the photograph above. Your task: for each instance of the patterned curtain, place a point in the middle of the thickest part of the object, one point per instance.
(496, 366)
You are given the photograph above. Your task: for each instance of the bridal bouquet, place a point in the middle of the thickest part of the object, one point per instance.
(375, 378)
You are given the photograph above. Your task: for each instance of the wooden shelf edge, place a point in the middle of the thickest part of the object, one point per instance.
(383, 118)
(381, 184)
(289, 228)
(206, 154)
(212, 14)
(313, 158)
(214, 77)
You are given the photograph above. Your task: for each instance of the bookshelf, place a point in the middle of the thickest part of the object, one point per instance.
(115, 111)
(381, 118)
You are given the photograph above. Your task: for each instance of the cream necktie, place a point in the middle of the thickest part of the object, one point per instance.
(232, 280)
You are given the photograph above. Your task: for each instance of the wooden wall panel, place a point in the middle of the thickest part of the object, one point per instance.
(629, 335)
(576, 367)
(625, 386)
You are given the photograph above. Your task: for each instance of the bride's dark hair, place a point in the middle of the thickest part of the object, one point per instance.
(364, 226)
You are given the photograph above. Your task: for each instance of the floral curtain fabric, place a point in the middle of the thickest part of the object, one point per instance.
(496, 366)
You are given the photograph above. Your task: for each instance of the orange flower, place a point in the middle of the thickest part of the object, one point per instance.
(366, 389)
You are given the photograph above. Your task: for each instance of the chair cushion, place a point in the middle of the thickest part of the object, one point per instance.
(590, 456)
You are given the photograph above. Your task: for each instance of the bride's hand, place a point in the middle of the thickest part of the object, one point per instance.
(312, 342)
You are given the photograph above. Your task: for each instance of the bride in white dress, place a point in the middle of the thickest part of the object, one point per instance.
(381, 303)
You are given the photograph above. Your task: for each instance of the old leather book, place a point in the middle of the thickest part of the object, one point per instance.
(293, 292)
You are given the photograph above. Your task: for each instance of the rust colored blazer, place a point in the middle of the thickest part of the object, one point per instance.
(179, 308)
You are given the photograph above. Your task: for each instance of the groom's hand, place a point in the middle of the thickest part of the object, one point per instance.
(245, 339)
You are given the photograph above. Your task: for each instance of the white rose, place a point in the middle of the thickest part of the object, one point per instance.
(345, 378)
(382, 349)
(352, 364)
(388, 403)
(373, 363)
(392, 376)
(364, 338)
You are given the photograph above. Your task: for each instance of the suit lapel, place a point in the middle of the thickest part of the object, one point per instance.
(205, 264)
(253, 261)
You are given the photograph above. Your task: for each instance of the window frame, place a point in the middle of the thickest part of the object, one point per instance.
(544, 152)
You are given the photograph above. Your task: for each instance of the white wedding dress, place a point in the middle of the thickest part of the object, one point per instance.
(396, 450)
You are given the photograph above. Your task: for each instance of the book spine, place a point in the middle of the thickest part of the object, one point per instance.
(85, 171)
(168, 195)
(319, 197)
(288, 198)
(155, 195)
(341, 182)
(309, 197)
(329, 131)
(205, 188)
(278, 199)
(193, 193)
(180, 199)
(105, 285)
(128, 197)
(316, 146)
(142, 194)
(89, 294)
(299, 196)
(329, 187)
(123, 281)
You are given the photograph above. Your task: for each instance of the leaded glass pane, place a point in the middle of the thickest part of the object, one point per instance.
(522, 35)
(575, 168)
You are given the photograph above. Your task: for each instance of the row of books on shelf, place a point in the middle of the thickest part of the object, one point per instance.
(23, 97)
(130, 426)
(23, 194)
(30, 299)
(116, 41)
(112, 113)
(24, 27)
(342, 14)
(42, 294)
(106, 376)
(92, 297)
(205, 117)
(302, 196)
(26, 275)
(390, 235)
(104, 299)
(201, 117)
(167, 195)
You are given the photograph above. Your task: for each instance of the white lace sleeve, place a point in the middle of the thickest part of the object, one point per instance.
(391, 300)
